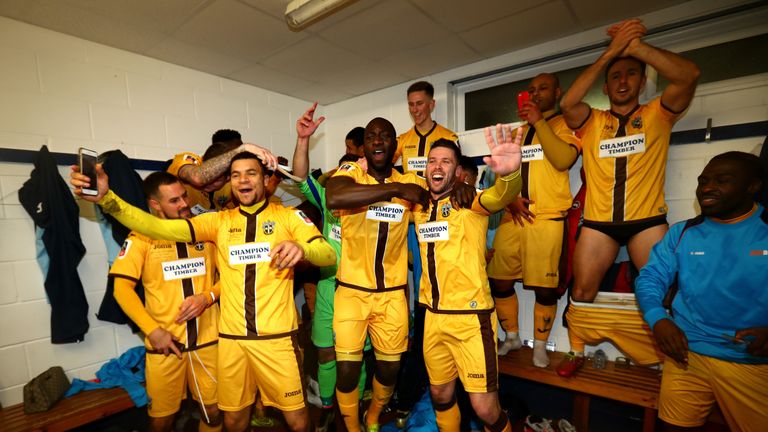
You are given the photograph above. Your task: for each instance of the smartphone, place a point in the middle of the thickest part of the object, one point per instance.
(522, 98)
(87, 160)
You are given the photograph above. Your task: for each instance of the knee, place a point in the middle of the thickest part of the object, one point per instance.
(583, 293)
(235, 422)
(161, 424)
(347, 375)
(546, 296)
(501, 289)
(442, 397)
(214, 416)
(386, 372)
(488, 413)
(325, 355)
(298, 423)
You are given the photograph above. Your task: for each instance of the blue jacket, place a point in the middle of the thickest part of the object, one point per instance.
(722, 275)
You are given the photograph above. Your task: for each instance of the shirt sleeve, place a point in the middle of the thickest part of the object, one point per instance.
(657, 276)
(316, 250)
(142, 222)
(181, 160)
(501, 194)
(313, 192)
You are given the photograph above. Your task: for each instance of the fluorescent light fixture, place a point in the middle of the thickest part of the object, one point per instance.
(301, 13)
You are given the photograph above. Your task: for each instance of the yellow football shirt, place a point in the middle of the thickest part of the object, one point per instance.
(171, 272)
(374, 251)
(414, 146)
(625, 160)
(256, 298)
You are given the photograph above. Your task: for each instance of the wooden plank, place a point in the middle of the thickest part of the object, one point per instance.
(69, 413)
(634, 385)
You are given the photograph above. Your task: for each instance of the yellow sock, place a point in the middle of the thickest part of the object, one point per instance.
(348, 407)
(506, 309)
(380, 398)
(449, 419)
(543, 320)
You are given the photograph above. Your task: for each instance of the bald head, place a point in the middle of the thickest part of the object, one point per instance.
(545, 91)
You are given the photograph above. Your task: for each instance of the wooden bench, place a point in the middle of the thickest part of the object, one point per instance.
(632, 384)
(69, 413)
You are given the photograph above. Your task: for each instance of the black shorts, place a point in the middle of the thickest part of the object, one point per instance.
(624, 231)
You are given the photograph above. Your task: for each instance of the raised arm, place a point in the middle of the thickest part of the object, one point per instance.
(558, 152)
(306, 125)
(575, 111)
(681, 73)
(213, 168)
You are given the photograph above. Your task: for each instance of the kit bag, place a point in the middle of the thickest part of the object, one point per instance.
(45, 390)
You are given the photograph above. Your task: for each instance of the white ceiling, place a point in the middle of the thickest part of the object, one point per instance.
(366, 46)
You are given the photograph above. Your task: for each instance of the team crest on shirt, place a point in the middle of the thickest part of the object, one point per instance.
(190, 158)
(268, 227)
(199, 246)
(346, 167)
(637, 122)
(124, 250)
(445, 210)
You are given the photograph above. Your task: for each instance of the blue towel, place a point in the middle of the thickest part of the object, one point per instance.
(127, 372)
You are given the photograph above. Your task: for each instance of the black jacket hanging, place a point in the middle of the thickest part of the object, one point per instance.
(127, 184)
(48, 200)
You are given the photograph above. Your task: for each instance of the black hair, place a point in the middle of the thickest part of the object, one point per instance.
(348, 158)
(617, 59)
(152, 183)
(225, 135)
(357, 135)
(422, 86)
(749, 162)
(219, 148)
(468, 164)
(444, 142)
(248, 155)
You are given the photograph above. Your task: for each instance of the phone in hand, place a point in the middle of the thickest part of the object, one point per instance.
(87, 160)
(522, 98)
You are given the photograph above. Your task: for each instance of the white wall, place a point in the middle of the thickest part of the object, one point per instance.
(67, 93)
(736, 101)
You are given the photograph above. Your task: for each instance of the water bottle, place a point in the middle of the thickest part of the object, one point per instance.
(599, 359)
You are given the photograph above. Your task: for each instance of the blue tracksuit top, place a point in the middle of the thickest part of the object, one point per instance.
(722, 274)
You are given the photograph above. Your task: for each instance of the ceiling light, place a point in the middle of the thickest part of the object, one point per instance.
(301, 13)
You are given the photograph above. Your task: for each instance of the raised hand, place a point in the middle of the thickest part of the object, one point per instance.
(622, 34)
(267, 158)
(306, 125)
(80, 181)
(506, 155)
(530, 113)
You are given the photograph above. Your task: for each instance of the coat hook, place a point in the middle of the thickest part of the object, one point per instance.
(708, 132)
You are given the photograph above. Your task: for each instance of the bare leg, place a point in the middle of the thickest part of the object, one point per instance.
(595, 252)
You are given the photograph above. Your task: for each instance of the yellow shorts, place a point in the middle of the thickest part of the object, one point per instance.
(382, 315)
(168, 378)
(462, 346)
(530, 253)
(741, 391)
(626, 329)
(271, 366)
